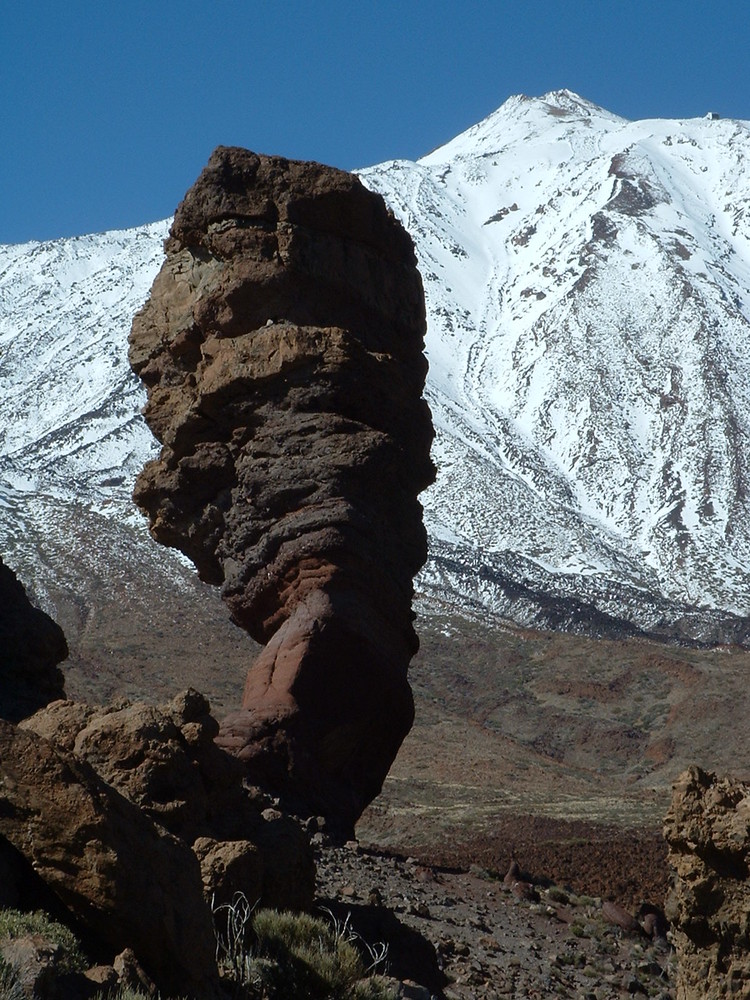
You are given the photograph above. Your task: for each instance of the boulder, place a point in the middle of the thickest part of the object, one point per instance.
(31, 646)
(131, 882)
(282, 350)
(707, 830)
(165, 761)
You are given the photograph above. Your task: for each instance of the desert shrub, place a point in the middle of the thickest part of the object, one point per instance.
(15, 924)
(10, 987)
(283, 956)
(558, 895)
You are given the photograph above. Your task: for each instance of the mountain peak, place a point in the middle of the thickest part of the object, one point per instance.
(588, 298)
(568, 101)
(520, 118)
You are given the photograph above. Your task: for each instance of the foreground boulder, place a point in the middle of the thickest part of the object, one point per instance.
(132, 883)
(31, 646)
(165, 761)
(282, 348)
(707, 831)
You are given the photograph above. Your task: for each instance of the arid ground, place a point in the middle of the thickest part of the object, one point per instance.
(558, 749)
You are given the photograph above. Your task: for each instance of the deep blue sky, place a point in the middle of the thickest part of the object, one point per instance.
(109, 110)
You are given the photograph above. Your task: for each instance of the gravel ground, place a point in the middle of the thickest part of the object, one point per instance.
(467, 935)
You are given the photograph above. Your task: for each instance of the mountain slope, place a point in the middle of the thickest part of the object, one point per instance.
(588, 287)
(588, 291)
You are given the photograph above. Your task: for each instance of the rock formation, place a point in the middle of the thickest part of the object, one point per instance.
(31, 646)
(120, 873)
(134, 820)
(164, 760)
(282, 348)
(707, 831)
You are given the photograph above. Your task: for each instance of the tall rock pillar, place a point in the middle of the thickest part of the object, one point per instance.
(282, 349)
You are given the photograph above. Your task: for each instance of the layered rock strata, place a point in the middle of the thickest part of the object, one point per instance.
(282, 348)
(707, 831)
(31, 646)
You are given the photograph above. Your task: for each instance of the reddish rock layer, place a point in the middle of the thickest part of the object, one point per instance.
(31, 646)
(282, 347)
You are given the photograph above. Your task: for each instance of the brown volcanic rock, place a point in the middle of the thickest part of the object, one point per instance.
(31, 646)
(707, 831)
(131, 882)
(282, 347)
(165, 761)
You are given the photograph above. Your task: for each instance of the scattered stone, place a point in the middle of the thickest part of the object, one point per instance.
(525, 891)
(130, 973)
(653, 922)
(413, 991)
(617, 915)
(632, 985)
(512, 875)
(104, 976)
(228, 868)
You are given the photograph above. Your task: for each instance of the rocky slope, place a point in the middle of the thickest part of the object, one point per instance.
(477, 935)
(588, 289)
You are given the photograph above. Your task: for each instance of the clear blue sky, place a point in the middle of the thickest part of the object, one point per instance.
(109, 110)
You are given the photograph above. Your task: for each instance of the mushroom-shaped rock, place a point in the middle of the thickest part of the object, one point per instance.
(282, 349)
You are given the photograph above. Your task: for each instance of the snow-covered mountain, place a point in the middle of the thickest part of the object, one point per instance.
(588, 292)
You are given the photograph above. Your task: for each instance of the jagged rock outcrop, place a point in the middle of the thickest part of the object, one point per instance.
(31, 646)
(282, 348)
(121, 874)
(707, 831)
(164, 760)
(131, 820)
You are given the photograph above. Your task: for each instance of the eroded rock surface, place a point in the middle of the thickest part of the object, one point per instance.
(282, 348)
(165, 761)
(31, 646)
(129, 820)
(707, 831)
(129, 880)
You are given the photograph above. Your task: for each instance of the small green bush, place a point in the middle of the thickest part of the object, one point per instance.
(285, 956)
(10, 988)
(558, 895)
(15, 924)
